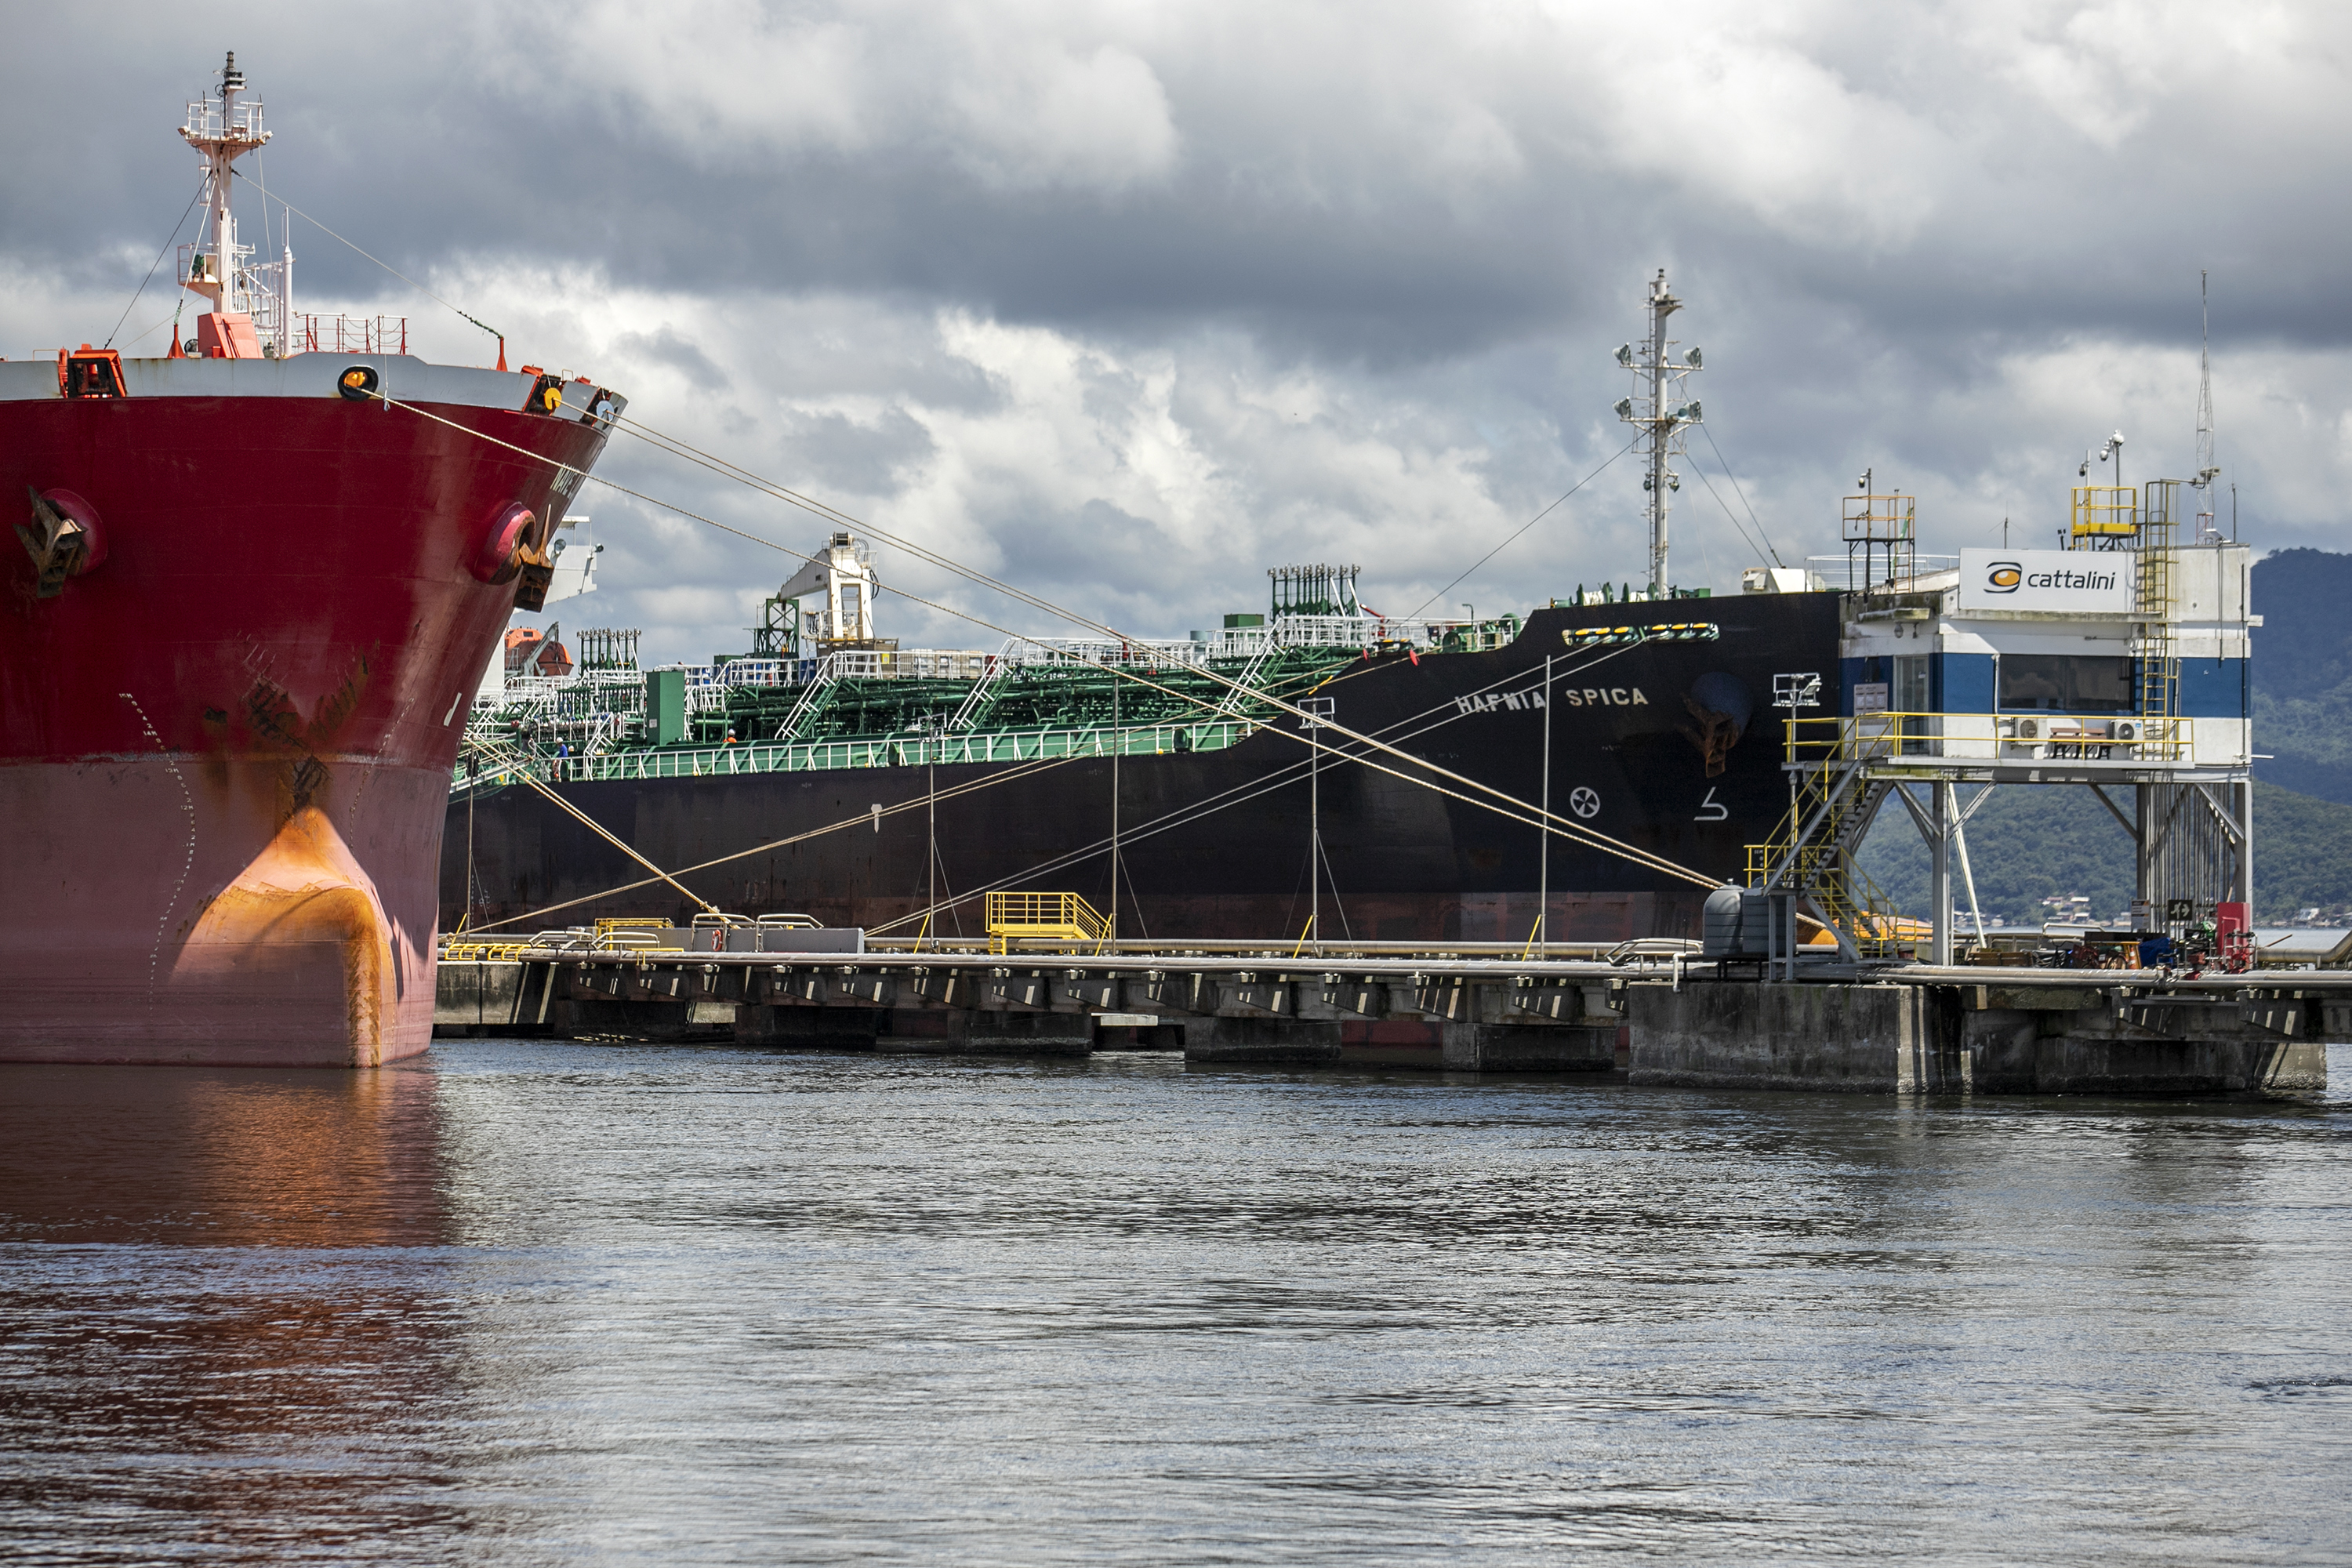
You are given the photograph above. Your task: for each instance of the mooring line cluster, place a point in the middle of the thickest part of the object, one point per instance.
(1510, 806)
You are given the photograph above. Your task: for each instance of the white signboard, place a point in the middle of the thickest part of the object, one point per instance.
(2049, 581)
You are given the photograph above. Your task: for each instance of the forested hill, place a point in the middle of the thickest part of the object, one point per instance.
(2030, 842)
(2302, 673)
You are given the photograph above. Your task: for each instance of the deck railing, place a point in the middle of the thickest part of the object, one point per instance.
(912, 750)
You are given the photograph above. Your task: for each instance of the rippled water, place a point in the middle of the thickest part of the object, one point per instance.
(524, 1302)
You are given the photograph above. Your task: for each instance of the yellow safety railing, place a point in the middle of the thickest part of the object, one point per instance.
(482, 951)
(2033, 736)
(1811, 849)
(1046, 917)
(2106, 511)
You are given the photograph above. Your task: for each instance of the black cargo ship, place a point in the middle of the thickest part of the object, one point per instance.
(913, 783)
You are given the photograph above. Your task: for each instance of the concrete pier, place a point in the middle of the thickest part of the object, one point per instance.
(1885, 1030)
(2013, 1038)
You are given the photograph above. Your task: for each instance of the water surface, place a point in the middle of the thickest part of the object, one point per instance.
(556, 1303)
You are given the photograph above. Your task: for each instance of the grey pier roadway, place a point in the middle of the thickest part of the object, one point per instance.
(1643, 1018)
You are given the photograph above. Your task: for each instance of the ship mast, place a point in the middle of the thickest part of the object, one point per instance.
(222, 130)
(1661, 415)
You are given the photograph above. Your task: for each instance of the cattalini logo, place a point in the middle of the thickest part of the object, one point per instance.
(2047, 582)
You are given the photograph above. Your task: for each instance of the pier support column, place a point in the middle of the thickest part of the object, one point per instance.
(808, 1029)
(1530, 1047)
(1942, 814)
(1025, 1035)
(1870, 1039)
(1261, 1040)
(1939, 822)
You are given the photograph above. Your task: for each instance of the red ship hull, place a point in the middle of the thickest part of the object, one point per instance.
(225, 747)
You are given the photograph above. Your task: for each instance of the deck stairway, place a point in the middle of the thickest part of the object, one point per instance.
(1812, 850)
(814, 698)
(1246, 684)
(1046, 917)
(983, 695)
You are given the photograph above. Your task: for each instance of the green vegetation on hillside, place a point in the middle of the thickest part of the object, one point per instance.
(2031, 841)
(2302, 674)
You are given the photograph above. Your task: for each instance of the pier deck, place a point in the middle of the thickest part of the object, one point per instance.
(1904, 1029)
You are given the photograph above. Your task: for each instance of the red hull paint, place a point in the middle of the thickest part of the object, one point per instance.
(225, 751)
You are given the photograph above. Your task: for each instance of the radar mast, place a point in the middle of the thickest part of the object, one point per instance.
(1661, 415)
(222, 130)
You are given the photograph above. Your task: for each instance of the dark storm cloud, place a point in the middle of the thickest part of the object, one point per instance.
(1303, 206)
(1956, 243)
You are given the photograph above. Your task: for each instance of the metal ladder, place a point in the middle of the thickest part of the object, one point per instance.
(2158, 661)
(983, 691)
(1245, 683)
(813, 699)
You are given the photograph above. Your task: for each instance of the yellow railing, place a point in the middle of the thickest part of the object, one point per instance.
(1992, 737)
(1048, 917)
(2106, 511)
(1812, 851)
(480, 952)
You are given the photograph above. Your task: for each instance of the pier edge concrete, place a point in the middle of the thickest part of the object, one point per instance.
(1909, 1030)
(1904, 1038)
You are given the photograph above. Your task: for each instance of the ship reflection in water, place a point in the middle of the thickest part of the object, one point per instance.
(531, 1303)
(223, 1336)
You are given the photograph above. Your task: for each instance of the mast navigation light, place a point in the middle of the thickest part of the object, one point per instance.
(1625, 355)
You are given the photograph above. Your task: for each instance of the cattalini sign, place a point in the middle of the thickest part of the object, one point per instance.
(2049, 581)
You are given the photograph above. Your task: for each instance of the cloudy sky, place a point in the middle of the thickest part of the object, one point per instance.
(1128, 302)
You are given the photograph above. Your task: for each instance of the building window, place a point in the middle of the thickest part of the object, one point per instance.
(1911, 684)
(2064, 683)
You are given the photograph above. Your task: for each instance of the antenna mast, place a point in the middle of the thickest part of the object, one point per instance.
(1662, 417)
(2206, 468)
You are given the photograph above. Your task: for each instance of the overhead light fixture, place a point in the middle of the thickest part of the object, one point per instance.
(1624, 408)
(1693, 359)
(1625, 355)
